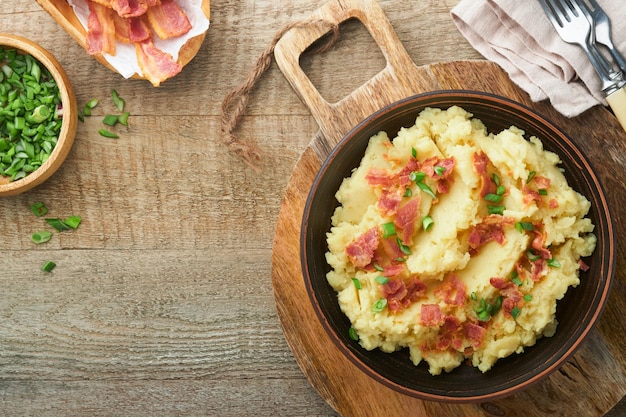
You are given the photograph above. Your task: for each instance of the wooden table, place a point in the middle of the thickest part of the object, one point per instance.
(162, 300)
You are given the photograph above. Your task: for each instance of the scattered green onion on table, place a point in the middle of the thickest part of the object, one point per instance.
(31, 114)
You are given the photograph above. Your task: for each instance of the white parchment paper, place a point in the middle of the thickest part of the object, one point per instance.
(125, 59)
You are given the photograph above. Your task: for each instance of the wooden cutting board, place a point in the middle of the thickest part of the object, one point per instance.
(589, 385)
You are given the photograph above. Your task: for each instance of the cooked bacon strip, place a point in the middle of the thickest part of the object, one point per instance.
(428, 167)
(101, 29)
(168, 19)
(361, 250)
(378, 177)
(156, 65)
(539, 243)
(130, 8)
(131, 29)
(450, 336)
(389, 201)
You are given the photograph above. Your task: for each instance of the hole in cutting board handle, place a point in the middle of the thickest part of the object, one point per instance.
(355, 58)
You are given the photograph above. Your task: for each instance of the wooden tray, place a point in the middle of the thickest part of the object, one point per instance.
(64, 15)
(589, 385)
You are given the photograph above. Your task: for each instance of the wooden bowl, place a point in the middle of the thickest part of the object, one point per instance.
(576, 313)
(70, 117)
(64, 15)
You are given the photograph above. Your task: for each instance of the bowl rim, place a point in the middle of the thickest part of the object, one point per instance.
(70, 115)
(604, 211)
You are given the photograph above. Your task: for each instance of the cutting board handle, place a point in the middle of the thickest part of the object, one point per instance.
(396, 81)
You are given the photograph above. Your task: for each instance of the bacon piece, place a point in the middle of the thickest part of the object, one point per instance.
(538, 269)
(554, 203)
(361, 250)
(529, 195)
(389, 201)
(392, 270)
(100, 29)
(582, 265)
(156, 65)
(542, 183)
(538, 243)
(428, 167)
(168, 19)
(510, 291)
(406, 218)
(474, 333)
(490, 228)
(452, 291)
(400, 295)
(450, 334)
(431, 315)
(481, 162)
(380, 177)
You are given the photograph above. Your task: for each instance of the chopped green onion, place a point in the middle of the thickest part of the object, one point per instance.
(73, 221)
(123, 119)
(528, 297)
(532, 256)
(379, 305)
(521, 226)
(496, 179)
(389, 229)
(439, 170)
(424, 187)
(495, 209)
(515, 312)
(91, 103)
(500, 190)
(494, 198)
(427, 223)
(531, 175)
(542, 192)
(108, 134)
(554, 263)
(403, 248)
(413, 152)
(39, 209)
(41, 237)
(473, 296)
(353, 334)
(381, 280)
(110, 119)
(357, 283)
(378, 267)
(117, 100)
(48, 266)
(408, 192)
(58, 224)
(417, 176)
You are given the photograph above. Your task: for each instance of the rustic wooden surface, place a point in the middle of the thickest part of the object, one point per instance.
(162, 301)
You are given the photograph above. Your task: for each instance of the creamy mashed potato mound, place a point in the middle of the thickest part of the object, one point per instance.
(456, 243)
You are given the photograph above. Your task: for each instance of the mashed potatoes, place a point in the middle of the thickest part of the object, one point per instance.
(456, 243)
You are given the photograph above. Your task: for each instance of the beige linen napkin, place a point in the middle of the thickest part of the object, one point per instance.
(517, 35)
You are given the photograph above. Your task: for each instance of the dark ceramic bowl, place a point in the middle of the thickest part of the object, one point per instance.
(576, 312)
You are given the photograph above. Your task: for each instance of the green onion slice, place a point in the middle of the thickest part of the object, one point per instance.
(389, 229)
(379, 305)
(427, 223)
(381, 280)
(58, 224)
(48, 266)
(357, 283)
(39, 209)
(41, 237)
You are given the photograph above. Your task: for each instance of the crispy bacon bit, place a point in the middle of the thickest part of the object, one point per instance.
(156, 65)
(510, 291)
(447, 165)
(582, 265)
(452, 291)
(400, 295)
(529, 195)
(542, 183)
(392, 270)
(490, 228)
(554, 203)
(101, 32)
(168, 19)
(450, 336)
(474, 333)
(406, 219)
(538, 269)
(539, 241)
(431, 315)
(389, 201)
(481, 162)
(362, 249)
(380, 177)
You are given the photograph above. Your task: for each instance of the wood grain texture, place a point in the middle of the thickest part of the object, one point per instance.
(590, 384)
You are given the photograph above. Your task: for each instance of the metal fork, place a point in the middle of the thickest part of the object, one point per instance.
(602, 25)
(573, 27)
